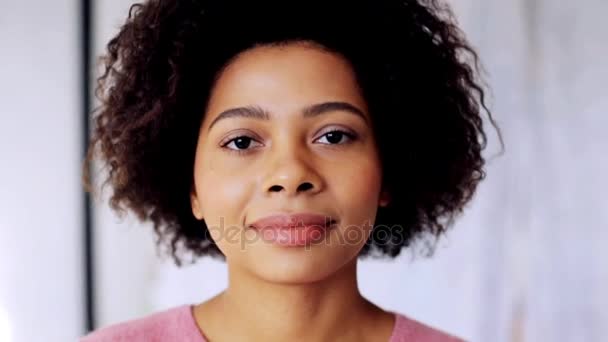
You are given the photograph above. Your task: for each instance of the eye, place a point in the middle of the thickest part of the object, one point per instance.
(337, 136)
(240, 143)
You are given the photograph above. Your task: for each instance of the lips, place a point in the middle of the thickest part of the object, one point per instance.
(286, 221)
(294, 230)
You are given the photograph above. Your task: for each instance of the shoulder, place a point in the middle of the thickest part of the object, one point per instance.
(410, 329)
(174, 324)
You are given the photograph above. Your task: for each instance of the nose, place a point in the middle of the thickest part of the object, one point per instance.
(292, 175)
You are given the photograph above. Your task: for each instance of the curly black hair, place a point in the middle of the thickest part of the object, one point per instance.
(418, 74)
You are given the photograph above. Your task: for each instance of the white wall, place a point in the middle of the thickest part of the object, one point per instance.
(526, 262)
(125, 260)
(41, 295)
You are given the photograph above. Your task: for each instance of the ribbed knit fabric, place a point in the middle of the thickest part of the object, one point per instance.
(178, 324)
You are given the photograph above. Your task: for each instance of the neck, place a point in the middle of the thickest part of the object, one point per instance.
(329, 309)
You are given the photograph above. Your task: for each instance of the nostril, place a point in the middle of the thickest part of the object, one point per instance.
(301, 188)
(275, 188)
(305, 186)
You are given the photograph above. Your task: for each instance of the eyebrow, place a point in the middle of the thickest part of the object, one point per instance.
(308, 112)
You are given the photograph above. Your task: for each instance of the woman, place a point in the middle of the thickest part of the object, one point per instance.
(289, 140)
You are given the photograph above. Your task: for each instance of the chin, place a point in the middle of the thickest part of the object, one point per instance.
(302, 275)
(299, 265)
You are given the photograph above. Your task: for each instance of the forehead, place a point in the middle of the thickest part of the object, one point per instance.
(282, 78)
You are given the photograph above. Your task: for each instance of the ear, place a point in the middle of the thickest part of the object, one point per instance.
(194, 203)
(385, 198)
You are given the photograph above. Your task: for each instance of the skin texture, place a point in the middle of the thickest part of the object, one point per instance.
(278, 293)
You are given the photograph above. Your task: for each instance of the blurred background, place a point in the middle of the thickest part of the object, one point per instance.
(527, 262)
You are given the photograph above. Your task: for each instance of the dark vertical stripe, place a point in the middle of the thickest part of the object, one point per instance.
(85, 86)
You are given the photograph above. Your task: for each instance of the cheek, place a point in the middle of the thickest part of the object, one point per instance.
(223, 192)
(358, 192)
(358, 189)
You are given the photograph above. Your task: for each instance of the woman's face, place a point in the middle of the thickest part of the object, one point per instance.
(287, 131)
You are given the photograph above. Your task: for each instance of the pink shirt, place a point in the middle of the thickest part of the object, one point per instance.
(178, 324)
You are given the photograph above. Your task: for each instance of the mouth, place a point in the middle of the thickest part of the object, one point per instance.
(285, 221)
(299, 229)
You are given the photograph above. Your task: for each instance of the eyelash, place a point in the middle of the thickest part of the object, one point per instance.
(349, 136)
